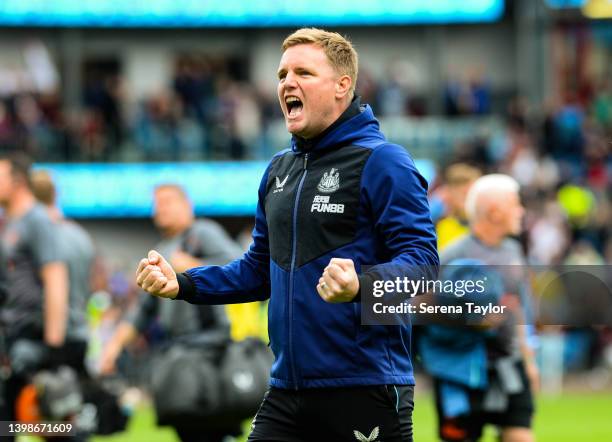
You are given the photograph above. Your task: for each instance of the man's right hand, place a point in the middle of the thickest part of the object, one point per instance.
(156, 276)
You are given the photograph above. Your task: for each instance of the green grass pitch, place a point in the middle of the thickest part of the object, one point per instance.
(569, 417)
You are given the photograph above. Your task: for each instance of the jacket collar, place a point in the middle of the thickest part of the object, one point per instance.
(300, 144)
(356, 126)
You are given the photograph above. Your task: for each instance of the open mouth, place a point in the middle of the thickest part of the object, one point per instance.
(294, 106)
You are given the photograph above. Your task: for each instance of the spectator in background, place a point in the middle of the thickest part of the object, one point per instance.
(156, 129)
(194, 84)
(36, 312)
(103, 97)
(225, 140)
(91, 135)
(548, 234)
(481, 92)
(246, 119)
(393, 93)
(32, 131)
(602, 105)
(516, 113)
(568, 124)
(6, 126)
(470, 95)
(368, 88)
(457, 100)
(188, 243)
(458, 178)
(269, 113)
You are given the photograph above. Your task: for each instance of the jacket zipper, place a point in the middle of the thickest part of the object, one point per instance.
(293, 258)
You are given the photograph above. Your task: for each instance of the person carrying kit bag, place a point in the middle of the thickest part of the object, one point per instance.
(187, 379)
(207, 376)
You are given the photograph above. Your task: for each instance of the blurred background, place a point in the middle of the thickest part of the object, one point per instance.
(113, 98)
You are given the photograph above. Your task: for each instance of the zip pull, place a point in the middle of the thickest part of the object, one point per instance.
(305, 161)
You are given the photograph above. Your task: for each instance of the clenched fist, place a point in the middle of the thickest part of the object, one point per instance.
(339, 282)
(155, 276)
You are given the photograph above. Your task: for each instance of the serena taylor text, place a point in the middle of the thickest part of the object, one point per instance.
(425, 308)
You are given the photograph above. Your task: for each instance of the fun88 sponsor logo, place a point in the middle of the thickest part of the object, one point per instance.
(321, 203)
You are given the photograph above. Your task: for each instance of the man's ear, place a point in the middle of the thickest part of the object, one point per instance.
(343, 86)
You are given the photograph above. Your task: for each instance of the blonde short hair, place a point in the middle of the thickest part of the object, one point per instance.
(338, 49)
(459, 174)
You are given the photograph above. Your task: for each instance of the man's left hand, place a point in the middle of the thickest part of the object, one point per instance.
(339, 282)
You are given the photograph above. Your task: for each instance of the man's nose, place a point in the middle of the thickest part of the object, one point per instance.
(290, 80)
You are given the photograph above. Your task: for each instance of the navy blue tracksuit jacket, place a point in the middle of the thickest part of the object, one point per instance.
(351, 195)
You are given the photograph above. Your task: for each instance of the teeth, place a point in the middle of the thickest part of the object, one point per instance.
(289, 100)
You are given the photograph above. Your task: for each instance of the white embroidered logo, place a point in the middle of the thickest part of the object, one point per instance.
(321, 203)
(330, 181)
(280, 184)
(372, 438)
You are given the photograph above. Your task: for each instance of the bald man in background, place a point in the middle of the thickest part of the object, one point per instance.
(495, 213)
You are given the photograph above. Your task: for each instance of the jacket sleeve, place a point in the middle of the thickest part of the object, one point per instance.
(246, 279)
(396, 195)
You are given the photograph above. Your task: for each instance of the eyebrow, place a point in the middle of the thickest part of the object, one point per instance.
(298, 69)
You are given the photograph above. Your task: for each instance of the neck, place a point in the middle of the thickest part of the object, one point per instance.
(54, 213)
(487, 234)
(341, 109)
(349, 110)
(20, 203)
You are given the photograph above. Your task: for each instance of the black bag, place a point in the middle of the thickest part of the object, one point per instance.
(102, 413)
(245, 375)
(184, 378)
(208, 379)
(184, 384)
(209, 384)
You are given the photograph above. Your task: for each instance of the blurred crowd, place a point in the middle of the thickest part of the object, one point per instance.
(210, 111)
(562, 159)
(207, 112)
